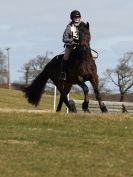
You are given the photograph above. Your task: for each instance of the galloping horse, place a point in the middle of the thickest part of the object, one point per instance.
(80, 68)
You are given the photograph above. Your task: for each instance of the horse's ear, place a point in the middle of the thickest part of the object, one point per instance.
(87, 25)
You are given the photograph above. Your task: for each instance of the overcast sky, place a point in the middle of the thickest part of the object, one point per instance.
(32, 27)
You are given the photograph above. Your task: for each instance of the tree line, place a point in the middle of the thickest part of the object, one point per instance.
(33, 67)
(3, 68)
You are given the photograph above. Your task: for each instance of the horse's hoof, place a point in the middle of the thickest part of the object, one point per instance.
(85, 106)
(87, 110)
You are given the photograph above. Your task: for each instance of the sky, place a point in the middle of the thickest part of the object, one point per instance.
(34, 27)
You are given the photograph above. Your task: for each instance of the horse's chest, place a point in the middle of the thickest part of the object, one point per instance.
(84, 70)
(83, 67)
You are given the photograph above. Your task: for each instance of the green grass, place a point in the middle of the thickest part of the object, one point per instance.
(68, 145)
(15, 99)
(60, 144)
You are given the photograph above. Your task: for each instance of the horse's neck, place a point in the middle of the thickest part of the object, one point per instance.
(85, 53)
(81, 54)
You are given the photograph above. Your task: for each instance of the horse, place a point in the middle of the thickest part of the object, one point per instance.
(79, 68)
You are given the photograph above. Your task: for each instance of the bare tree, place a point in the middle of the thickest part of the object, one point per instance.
(103, 86)
(122, 75)
(3, 68)
(32, 68)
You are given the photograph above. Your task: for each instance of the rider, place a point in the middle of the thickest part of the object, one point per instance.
(70, 38)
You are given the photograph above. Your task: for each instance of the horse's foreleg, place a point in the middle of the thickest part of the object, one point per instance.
(98, 95)
(85, 104)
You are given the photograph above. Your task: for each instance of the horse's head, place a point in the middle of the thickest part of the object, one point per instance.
(84, 35)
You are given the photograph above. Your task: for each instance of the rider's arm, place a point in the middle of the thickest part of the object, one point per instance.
(67, 36)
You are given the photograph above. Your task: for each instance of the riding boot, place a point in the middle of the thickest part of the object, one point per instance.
(63, 70)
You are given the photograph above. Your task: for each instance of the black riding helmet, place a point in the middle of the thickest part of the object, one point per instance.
(75, 13)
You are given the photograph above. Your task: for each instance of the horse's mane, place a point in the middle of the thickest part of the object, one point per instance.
(84, 29)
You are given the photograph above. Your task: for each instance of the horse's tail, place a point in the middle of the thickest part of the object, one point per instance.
(34, 91)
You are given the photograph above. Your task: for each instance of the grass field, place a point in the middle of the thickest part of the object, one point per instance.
(15, 99)
(63, 145)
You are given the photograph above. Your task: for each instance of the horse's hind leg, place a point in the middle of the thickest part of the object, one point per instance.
(85, 104)
(63, 97)
(65, 100)
(59, 104)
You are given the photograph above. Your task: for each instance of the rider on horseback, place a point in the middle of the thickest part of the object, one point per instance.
(70, 38)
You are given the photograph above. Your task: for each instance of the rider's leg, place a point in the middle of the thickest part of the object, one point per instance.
(67, 53)
(63, 69)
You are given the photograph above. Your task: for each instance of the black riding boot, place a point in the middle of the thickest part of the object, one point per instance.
(63, 70)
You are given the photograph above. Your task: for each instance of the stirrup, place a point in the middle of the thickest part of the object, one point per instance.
(63, 76)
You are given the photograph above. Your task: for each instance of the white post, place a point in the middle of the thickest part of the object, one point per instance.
(55, 90)
(68, 96)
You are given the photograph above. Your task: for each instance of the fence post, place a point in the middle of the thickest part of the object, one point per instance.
(55, 90)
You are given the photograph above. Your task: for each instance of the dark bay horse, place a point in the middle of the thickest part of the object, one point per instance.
(80, 68)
